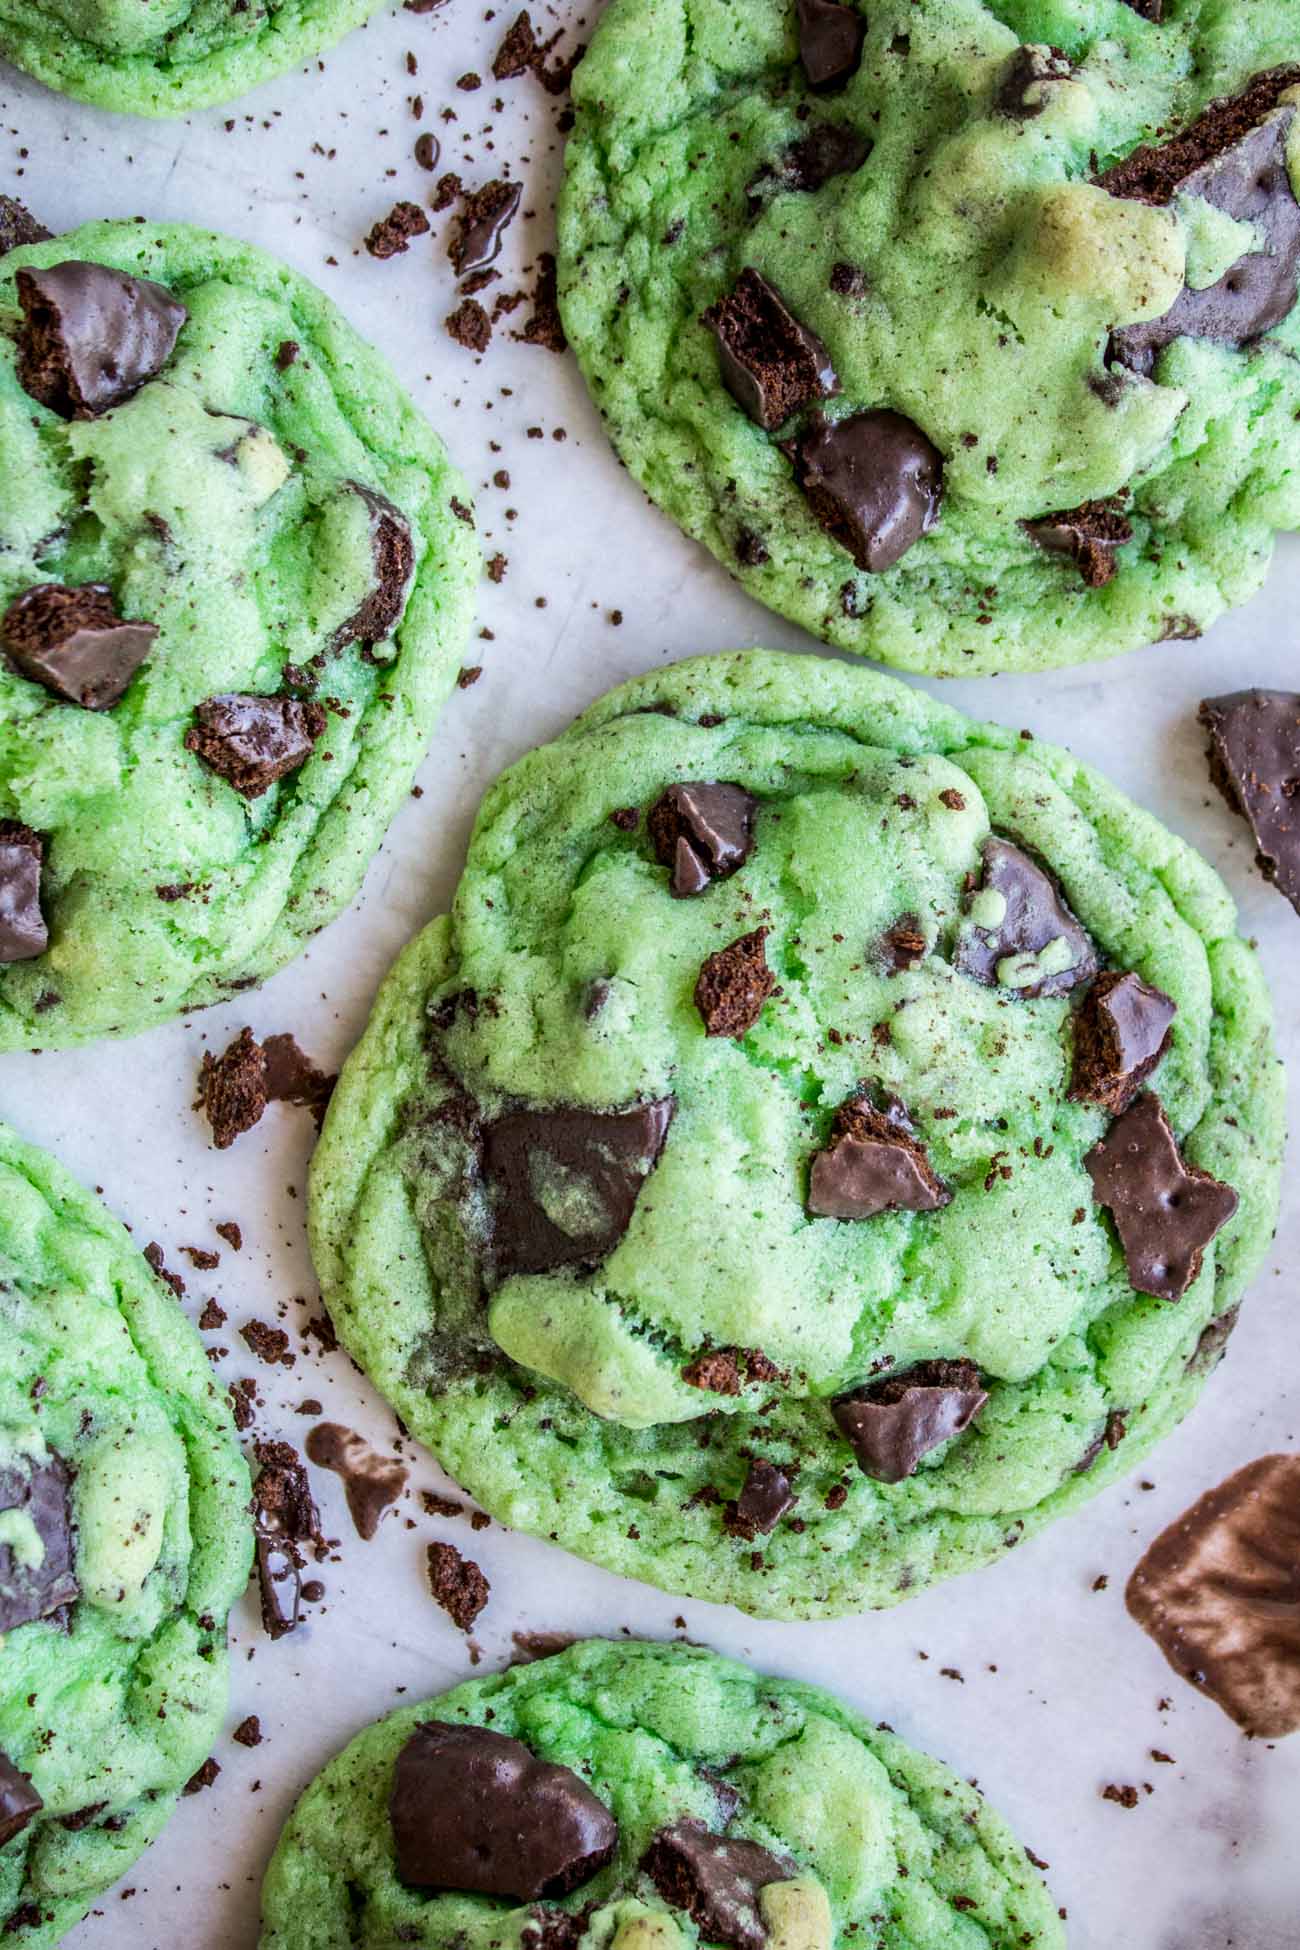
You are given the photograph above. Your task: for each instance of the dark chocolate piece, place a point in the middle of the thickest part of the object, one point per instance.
(284, 1519)
(292, 1077)
(1165, 1211)
(474, 1810)
(40, 1492)
(564, 1183)
(891, 1424)
(23, 933)
(1035, 918)
(254, 741)
(1120, 1034)
(371, 1482)
(826, 150)
(481, 225)
(19, 1801)
(873, 1162)
(392, 554)
(1030, 74)
(1212, 1342)
(457, 1583)
(1254, 756)
(1219, 1592)
(830, 41)
(1092, 534)
(393, 233)
(770, 364)
(74, 642)
(733, 985)
(874, 482)
(715, 1880)
(1152, 10)
(902, 946)
(91, 336)
(763, 1501)
(704, 832)
(18, 226)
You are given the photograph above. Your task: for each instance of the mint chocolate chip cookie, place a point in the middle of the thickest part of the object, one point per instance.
(124, 1540)
(963, 332)
(827, 1139)
(645, 1797)
(235, 571)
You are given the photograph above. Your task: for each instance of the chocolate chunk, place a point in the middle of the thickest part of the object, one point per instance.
(469, 325)
(564, 1183)
(715, 1879)
(236, 1087)
(1120, 1034)
(830, 41)
(19, 1801)
(1254, 754)
(91, 336)
(74, 642)
(279, 1585)
(1027, 83)
(1212, 1342)
(891, 1424)
(23, 933)
(1165, 1211)
(476, 239)
(18, 226)
(874, 482)
(1219, 1592)
(284, 1518)
(1153, 10)
(733, 985)
(474, 1810)
(39, 1493)
(292, 1077)
(392, 555)
(371, 1482)
(872, 1163)
(1093, 534)
(1037, 947)
(1234, 156)
(544, 326)
(762, 1502)
(704, 832)
(826, 150)
(393, 233)
(902, 946)
(457, 1583)
(253, 741)
(770, 364)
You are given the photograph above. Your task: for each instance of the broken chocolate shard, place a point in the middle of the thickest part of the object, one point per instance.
(703, 832)
(763, 1501)
(715, 1880)
(563, 1183)
(1254, 754)
(371, 1482)
(392, 555)
(1030, 76)
(252, 742)
(476, 238)
(279, 1585)
(1166, 1211)
(733, 985)
(74, 642)
(39, 1494)
(19, 1801)
(826, 150)
(1091, 534)
(771, 364)
(91, 336)
(873, 481)
(830, 41)
(18, 226)
(1219, 1592)
(23, 932)
(1120, 1034)
(476, 1811)
(284, 1519)
(890, 1425)
(872, 1163)
(1019, 934)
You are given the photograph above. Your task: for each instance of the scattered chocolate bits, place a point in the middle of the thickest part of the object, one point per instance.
(771, 364)
(1120, 1034)
(252, 742)
(236, 1087)
(1124, 1796)
(19, 1801)
(392, 234)
(74, 642)
(457, 1583)
(727, 1370)
(91, 336)
(39, 1493)
(476, 237)
(1254, 754)
(23, 932)
(703, 831)
(763, 1501)
(873, 481)
(733, 985)
(872, 1163)
(371, 1482)
(1020, 935)
(595, 1161)
(1165, 1211)
(715, 1879)
(891, 1424)
(830, 41)
(1091, 534)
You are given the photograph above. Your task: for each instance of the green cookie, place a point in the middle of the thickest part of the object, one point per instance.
(124, 1540)
(236, 568)
(169, 56)
(880, 306)
(675, 1797)
(735, 1136)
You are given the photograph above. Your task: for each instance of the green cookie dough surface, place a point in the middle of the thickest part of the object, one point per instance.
(909, 1856)
(967, 275)
(166, 57)
(873, 803)
(110, 1706)
(163, 887)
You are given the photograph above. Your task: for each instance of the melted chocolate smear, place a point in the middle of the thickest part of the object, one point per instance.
(1120, 1034)
(74, 642)
(479, 229)
(1091, 534)
(38, 1491)
(770, 364)
(704, 832)
(91, 336)
(19, 1801)
(1254, 754)
(1165, 1211)
(1030, 76)
(715, 1880)
(392, 554)
(589, 1164)
(474, 1810)
(830, 41)
(252, 742)
(873, 481)
(828, 149)
(23, 933)
(733, 985)
(1036, 916)
(891, 1424)
(18, 226)
(763, 1501)
(873, 1163)
(1219, 1592)
(371, 1482)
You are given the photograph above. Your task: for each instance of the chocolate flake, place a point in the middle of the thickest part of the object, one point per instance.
(393, 233)
(254, 741)
(23, 932)
(40, 1493)
(476, 239)
(733, 985)
(1120, 1034)
(1020, 935)
(1254, 754)
(715, 1880)
(1165, 1211)
(763, 1501)
(91, 336)
(74, 642)
(564, 1183)
(771, 364)
(872, 1163)
(703, 831)
(457, 1583)
(830, 41)
(891, 1424)
(1091, 534)
(873, 481)
(371, 1482)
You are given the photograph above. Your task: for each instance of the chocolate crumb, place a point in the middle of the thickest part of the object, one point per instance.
(457, 1584)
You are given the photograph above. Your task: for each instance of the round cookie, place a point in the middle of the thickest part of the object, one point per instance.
(169, 59)
(124, 1540)
(828, 1139)
(236, 568)
(963, 332)
(645, 1797)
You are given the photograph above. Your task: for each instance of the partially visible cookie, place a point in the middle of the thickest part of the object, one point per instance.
(645, 1797)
